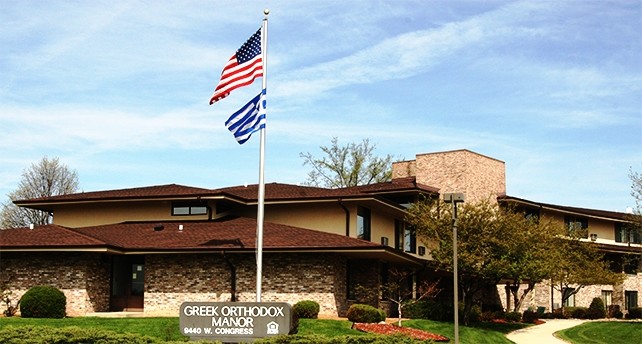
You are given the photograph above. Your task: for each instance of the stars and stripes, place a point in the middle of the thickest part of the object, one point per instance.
(241, 69)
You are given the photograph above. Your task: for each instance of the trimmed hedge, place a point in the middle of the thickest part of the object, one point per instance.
(317, 339)
(596, 310)
(43, 301)
(513, 316)
(530, 317)
(306, 309)
(634, 313)
(71, 335)
(365, 314)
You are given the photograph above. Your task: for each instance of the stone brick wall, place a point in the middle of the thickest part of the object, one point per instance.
(478, 176)
(173, 279)
(82, 277)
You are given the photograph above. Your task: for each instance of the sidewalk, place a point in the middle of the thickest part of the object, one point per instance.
(543, 334)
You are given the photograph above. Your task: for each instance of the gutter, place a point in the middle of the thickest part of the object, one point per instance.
(347, 217)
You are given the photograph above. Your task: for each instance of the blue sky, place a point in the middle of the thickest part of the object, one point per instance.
(119, 90)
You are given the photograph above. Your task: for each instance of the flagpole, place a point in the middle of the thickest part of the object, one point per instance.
(260, 211)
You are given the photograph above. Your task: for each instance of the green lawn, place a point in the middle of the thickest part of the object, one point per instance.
(604, 332)
(167, 328)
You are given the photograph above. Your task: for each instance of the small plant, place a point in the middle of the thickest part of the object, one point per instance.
(7, 300)
(306, 309)
(634, 313)
(513, 316)
(43, 302)
(615, 312)
(596, 310)
(359, 313)
(530, 317)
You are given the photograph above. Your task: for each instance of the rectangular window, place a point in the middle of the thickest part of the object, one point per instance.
(363, 223)
(629, 235)
(568, 297)
(351, 281)
(410, 239)
(630, 299)
(399, 235)
(576, 226)
(607, 297)
(184, 209)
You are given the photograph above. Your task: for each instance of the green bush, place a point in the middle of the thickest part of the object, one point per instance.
(429, 310)
(306, 309)
(634, 313)
(530, 317)
(317, 339)
(43, 302)
(70, 335)
(577, 312)
(615, 312)
(596, 310)
(513, 316)
(365, 314)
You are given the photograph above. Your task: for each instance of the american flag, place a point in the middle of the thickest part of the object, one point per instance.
(242, 68)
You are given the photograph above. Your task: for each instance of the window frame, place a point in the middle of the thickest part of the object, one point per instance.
(191, 209)
(364, 224)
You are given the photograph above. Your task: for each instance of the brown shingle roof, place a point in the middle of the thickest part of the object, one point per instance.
(227, 234)
(49, 236)
(614, 215)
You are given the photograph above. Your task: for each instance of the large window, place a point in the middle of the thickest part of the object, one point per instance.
(363, 223)
(405, 237)
(607, 297)
(576, 226)
(568, 296)
(625, 234)
(630, 299)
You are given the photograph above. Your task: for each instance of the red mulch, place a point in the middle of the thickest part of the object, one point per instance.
(387, 329)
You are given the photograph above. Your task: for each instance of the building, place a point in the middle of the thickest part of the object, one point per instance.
(151, 248)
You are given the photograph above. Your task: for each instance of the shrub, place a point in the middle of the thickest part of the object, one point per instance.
(70, 335)
(615, 312)
(43, 302)
(430, 310)
(634, 313)
(306, 309)
(513, 316)
(596, 310)
(365, 314)
(577, 312)
(530, 317)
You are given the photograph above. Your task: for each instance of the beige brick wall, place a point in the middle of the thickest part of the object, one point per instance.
(477, 176)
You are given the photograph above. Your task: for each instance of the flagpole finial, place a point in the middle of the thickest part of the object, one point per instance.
(266, 11)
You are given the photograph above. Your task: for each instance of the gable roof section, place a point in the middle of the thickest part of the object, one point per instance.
(274, 192)
(603, 214)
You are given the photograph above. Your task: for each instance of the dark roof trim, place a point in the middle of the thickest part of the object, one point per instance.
(594, 213)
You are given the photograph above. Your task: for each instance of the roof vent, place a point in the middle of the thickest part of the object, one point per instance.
(159, 228)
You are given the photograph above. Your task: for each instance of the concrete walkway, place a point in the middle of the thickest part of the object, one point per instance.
(543, 334)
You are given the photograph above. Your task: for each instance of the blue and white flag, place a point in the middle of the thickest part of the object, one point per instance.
(248, 119)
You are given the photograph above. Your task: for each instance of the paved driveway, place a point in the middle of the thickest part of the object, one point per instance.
(543, 334)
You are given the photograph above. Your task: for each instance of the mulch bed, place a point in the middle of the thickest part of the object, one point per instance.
(387, 329)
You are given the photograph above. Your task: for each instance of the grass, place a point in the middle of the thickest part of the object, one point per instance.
(161, 328)
(327, 327)
(604, 332)
(482, 333)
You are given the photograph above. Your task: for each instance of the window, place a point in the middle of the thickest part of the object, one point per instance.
(576, 226)
(624, 234)
(630, 299)
(631, 264)
(568, 297)
(532, 214)
(363, 223)
(351, 279)
(607, 298)
(405, 237)
(183, 209)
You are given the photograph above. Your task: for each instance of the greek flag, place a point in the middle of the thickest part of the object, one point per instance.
(248, 119)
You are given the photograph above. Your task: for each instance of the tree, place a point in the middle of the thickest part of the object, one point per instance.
(46, 178)
(350, 165)
(396, 290)
(635, 220)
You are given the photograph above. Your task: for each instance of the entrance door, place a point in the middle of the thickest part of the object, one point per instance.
(127, 283)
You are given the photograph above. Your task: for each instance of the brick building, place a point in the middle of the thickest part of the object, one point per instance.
(151, 248)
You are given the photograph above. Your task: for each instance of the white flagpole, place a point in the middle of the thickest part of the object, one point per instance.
(260, 211)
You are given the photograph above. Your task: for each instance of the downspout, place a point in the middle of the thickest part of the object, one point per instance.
(347, 217)
(232, 277)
